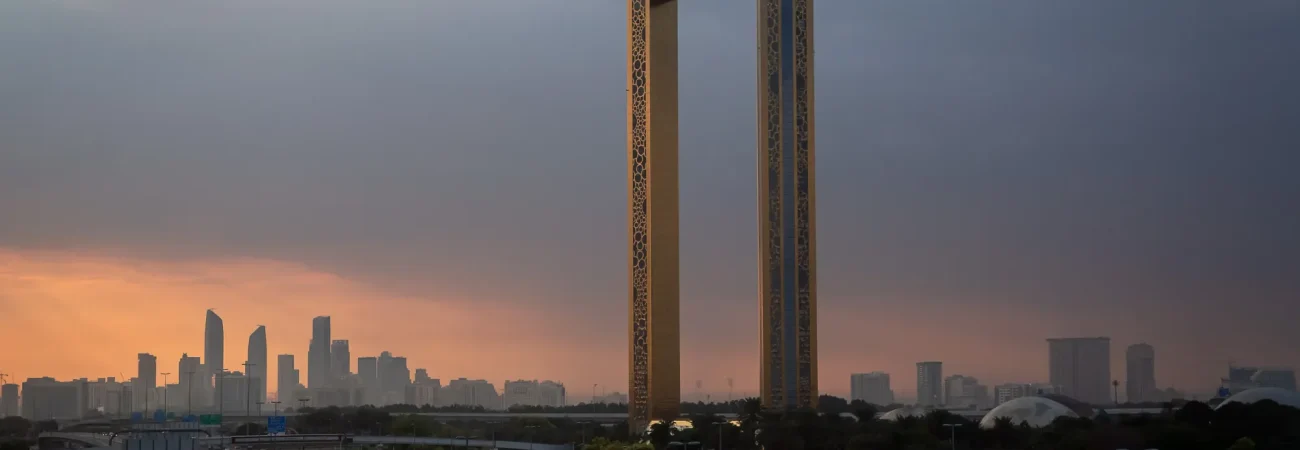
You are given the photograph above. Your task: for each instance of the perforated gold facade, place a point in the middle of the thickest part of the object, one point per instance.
(787, 207)
(654, 373)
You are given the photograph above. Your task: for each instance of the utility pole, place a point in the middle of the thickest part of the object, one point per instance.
(166, 393)
(189, 396)
(953, 438)
(248, 389)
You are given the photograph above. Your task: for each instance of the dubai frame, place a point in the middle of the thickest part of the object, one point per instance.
(787, 239)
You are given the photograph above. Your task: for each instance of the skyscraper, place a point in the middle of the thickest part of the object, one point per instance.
(929, 383)
(654, 372)
(368, 371)
(9, 400)
(871, 388)
(1081, 367)
(318, 354)
(257, 359)
(214, 350)
(147, 370)
(340, 359)
(286, 378)
(189, 373)
(787, 244)
(1140, 362)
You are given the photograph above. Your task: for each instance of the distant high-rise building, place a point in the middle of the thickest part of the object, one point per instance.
(340, 359)
(189, 373)
(929, 383)
(1276, 377)
(47, 399)
(214, 351)
(1081, 368)
(368, 371)
(318, 354)
(147, 370)
(235, 392)
(9, 400)
(1241, 378)
(466, 392)
(871, 388)
(286, 379)
(146, 380)
(1140, 362)
(960, 391)
(257, 369)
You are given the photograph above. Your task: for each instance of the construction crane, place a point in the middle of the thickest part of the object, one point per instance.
(2, 378)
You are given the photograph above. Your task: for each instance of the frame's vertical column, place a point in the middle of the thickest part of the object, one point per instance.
(654, 374)
(787, 237)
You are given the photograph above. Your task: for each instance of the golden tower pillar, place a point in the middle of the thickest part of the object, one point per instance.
(787, 244)
(654, 369)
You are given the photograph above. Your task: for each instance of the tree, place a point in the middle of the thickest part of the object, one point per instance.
(661, 433)
(1243, 444)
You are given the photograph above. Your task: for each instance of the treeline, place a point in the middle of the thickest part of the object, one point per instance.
(1264, 425)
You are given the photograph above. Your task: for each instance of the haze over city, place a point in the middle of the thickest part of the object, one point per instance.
(447, 180)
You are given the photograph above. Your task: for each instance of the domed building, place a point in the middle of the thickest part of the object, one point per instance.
(905, 411)
(1036, 410)
(1281, 396)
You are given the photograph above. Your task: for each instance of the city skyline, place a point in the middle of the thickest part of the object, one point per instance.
(959, 211)
(903, 392)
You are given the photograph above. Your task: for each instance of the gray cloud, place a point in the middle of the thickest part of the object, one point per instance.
(1108, 165)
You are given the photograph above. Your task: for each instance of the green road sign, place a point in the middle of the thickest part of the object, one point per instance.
(210, 419)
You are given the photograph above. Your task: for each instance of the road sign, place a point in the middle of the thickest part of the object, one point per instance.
(159, 416)
(275, 425)
(210, 419)
(1224, 392)
(137, 417)
(190, 418)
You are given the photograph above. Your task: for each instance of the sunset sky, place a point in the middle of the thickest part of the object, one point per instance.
(447, 180)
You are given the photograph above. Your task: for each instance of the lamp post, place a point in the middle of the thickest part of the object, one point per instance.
(302, 403)
(953, 434)
(189, 396)
(248, 389)
(166, 394)
(276, 407)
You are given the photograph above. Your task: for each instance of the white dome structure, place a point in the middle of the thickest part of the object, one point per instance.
(1038, 411)
(905, 411)
(1283, 397)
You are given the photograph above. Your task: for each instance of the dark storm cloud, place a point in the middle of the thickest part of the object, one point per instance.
(1098, 168)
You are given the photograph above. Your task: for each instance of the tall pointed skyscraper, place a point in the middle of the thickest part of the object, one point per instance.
(214, 349)
(654, 373)
(257, 357)
(787, 244)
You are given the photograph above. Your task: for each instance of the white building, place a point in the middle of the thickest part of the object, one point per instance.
(465, 392)
(1081, 367)
(961, 391)
(871, 387)
(553, 394)
(1003, 393)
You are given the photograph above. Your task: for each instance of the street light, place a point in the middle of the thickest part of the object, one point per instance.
(276, 407)
(248, 389)
(166, 390)
(953, 428)
(189, 396)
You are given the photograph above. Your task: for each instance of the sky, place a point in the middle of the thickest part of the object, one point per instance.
(447, 180)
